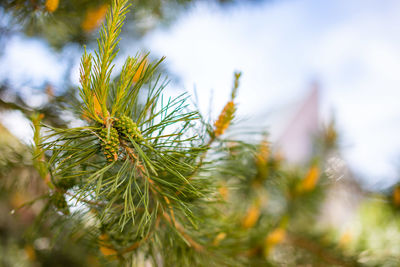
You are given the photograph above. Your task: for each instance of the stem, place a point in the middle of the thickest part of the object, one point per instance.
(316, 249)
(153, 186)
(182, 231)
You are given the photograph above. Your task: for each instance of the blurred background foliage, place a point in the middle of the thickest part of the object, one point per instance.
(63, 22)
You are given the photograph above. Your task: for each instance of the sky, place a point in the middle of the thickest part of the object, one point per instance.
(352, 48)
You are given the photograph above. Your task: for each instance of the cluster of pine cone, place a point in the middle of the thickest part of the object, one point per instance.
(123, 127)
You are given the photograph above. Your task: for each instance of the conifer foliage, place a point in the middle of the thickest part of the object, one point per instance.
(132, 164)
(146, 173)
(147, 181)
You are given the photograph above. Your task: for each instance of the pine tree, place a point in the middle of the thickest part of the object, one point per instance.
(149, 180)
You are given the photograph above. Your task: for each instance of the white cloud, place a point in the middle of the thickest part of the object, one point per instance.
(29, 62)
(352, 47)
(18, 125)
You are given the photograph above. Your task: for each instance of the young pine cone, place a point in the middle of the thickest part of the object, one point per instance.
(109, 143)
(58, 200)
(126, 127)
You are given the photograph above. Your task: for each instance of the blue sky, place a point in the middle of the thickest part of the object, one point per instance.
(351, 47)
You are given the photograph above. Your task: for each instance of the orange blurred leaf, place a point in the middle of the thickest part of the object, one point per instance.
(273, 238)
(396, 196)
(94, 17)
(252, 215)
(51, 5)
(221, 236)
(311, 179)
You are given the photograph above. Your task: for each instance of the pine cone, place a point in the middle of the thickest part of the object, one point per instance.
(59, 202)
(65, 184)
(109, 143)
(126, 127)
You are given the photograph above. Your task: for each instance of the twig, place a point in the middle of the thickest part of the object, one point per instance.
(317, 250)
(138, 243)
(181, 230)
(31, 202)
(171, 219)
(154, 187)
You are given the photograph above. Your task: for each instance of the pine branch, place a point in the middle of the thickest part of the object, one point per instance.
(182, 231)
(107, 51)
(127, 164)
